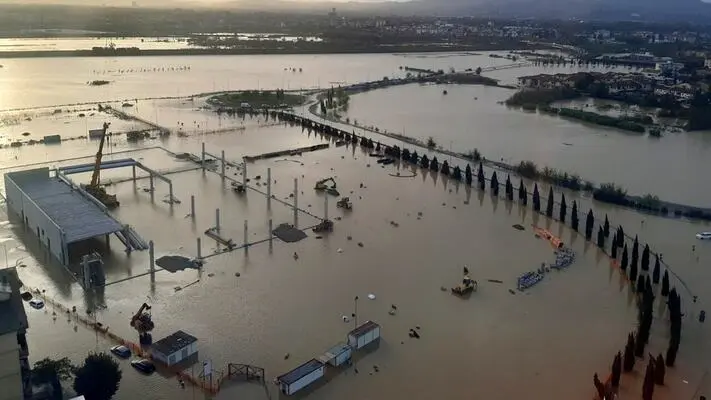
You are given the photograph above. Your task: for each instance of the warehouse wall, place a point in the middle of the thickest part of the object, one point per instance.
(32, 216)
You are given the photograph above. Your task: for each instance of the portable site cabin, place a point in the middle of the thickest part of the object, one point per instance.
(301, 376)
(364, 335)
(337, 355)
(174, 348)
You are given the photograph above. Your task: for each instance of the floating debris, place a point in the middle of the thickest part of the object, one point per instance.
(519, 227)
(360, 244)
(495, 281)
(371, 296)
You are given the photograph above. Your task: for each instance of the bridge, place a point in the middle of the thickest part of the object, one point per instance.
(506, 66)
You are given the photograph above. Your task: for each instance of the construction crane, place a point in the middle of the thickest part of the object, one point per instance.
(94, 188)
(142, 321)
(321, 185)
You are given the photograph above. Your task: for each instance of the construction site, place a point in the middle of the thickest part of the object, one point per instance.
(270, 244)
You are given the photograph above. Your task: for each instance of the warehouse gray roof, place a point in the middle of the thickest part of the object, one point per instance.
(12, 311)
(79, 217)
(300, 372)
(175, 342)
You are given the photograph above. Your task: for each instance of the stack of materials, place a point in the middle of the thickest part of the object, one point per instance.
(529, 279)
(564, 258)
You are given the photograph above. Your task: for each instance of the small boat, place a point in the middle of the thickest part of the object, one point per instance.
(467, 286)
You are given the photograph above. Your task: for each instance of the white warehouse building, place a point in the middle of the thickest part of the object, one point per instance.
(363, 335)
(175, 348)
(301, 376)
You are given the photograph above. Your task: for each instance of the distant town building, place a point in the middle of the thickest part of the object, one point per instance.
(707, 63)
(14, 366)
(669, 67)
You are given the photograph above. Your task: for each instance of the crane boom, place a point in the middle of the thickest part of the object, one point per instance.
(99, 155)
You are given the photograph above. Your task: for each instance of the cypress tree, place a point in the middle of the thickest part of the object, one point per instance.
(574, 216)
(648, 289)
(659, 370)
(657, 270)
(625, 258)
(665, 284)
(616, 370)
(589, 222)
(671, 353)
(640, 285)
(645, 258)
(525, 196)
(480, 177)
(613, 249)
(414, 158)
(563, 208)
(620, 236)
(606, 227)
(424, 161)
(600, 238)
(536, 198)
(509, 188)
(434, 164)
(468, 175)
(629, 359)
(521, 190)
(495, 184)
(549, 207)
(444, 170)
(635, 253)
(648, 385)
(633, 274)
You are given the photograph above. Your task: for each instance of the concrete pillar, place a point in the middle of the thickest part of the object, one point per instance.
(296, 202)
(192, 206)
(325, 207)
(134, 173)
(199, 248)
(246, 236)
(217, 219)
(223, 165)
(170, 192)
(202, 156)
(271, 235)
(151, 256)
(269, 188)
(244, 173)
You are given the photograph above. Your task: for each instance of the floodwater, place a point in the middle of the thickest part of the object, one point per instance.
(470, 117)
(549, 339)
(86, 43)
(498, 345)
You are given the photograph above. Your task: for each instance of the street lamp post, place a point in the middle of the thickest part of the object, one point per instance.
(355, 312)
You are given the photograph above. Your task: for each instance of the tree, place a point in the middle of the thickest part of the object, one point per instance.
(46, 368)
(98, 378)
(536, 198)
(600, 237)
(648, 385)
(671, 352)
(478, 70)
(625, 258)
(495, 184)
(521, 191)
(444, 170)
(613, 249)
(629, 358)
(563, 208)
(657, 271)
(633, 274)
(480, 177)
(425, 161)
(645, 258)
(549, 206)
(665, 284)
(635, 253)
(574, 216)
(509, 188)
(620, 236)
(434, 164)
(468, 175)
(606, 227)
(457, 173)
(616, 370)
(640, 284)
(589, 222)
(414, 158)
(659, 370)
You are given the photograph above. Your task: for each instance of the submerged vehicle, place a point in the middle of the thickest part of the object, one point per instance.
(529, 279)
(703, 235)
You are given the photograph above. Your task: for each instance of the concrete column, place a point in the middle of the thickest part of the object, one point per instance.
(325, 207)
(202, 156)
(223, 165)
(192, 206)
(217, 219)
(151, 256)
(246, 236)
(271, 235)
(199, 248)
(269, 188)
(244, 174)
(296, 202)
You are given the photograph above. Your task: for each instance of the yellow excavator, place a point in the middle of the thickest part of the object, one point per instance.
(94, 188)
(142, 321)
(322, 186)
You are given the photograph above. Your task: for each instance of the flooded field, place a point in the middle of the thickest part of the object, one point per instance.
(551, 338)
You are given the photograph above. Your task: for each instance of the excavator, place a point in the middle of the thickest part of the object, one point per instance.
(94, 188)
(142, 321)
(321, 186)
